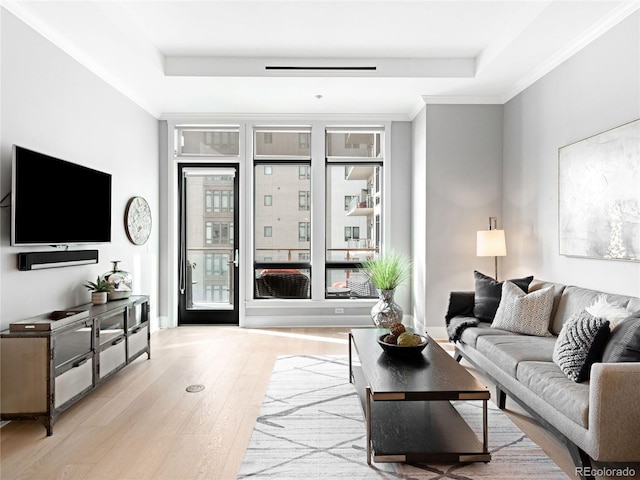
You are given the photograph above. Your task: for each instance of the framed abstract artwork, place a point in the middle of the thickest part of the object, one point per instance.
(599, 195)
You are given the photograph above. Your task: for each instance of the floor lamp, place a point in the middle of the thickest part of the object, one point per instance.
(491, 243)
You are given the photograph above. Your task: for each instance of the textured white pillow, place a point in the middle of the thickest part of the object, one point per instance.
(529, 313)
(607, 311)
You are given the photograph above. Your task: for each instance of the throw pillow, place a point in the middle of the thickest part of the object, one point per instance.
(580, 344)
(488, 293)
(624, 341)
(601, 308)
(519, 312)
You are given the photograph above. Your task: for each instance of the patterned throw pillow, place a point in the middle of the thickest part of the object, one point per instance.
(519, 312)
(488, 293)
(580, 345)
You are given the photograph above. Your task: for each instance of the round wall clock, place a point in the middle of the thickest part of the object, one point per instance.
(137, 220)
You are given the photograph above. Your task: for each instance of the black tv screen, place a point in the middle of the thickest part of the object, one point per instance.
(56, 202)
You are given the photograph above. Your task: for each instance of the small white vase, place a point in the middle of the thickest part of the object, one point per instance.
(98, 298)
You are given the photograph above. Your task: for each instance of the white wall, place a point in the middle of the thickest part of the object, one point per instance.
(418, 214)
(595, 90)
(463, 188)
(52, 104)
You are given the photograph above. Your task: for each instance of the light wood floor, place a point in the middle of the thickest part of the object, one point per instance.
(142, 424)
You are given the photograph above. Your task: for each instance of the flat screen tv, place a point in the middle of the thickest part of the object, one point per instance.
(56, 202)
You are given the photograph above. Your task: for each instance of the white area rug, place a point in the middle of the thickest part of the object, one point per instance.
(311, 425)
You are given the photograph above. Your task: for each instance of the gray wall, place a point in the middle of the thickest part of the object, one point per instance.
(462, 188)
(399, 222)
(595, 90)
(52, 104)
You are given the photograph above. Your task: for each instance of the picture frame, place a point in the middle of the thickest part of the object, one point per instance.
(599, 195)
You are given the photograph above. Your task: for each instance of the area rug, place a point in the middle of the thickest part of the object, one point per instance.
(311, 425)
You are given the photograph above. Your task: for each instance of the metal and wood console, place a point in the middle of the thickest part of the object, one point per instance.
(50, 362)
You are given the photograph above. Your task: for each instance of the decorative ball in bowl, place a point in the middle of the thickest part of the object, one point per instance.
(414, 346)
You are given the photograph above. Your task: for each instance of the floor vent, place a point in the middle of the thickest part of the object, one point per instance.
(195, 388)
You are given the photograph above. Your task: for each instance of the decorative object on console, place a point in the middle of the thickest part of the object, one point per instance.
(99, 290)
(488, 293)
(526, 313)
(137, 220)
(599, 198)
(491, 243)
(386, 273)
(580, 345)
(121, 282)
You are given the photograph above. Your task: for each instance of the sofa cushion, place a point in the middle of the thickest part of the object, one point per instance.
(580, 344)
(507, 351)
(488, 293)
(520, 312)
(470, 335)
(624, 342)
(546, 380)
(575, 299)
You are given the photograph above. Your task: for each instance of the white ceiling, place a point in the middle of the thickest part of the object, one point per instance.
(175, 57)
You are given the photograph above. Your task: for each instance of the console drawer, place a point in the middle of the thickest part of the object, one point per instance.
(112, 356)
(138, 340)
(74, 381)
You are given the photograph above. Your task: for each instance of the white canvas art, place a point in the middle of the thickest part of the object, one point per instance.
(599, 195)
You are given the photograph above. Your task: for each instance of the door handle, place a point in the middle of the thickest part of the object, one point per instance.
(236, 259)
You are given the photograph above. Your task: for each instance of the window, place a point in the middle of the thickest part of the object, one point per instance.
(208, 201)
(208, 141)
(304, 172)
(208, 233)
(304, 200)
(351, 233)
(282, 258)
(282, 143)
(354, 143)
(353, 208)
(304, 232)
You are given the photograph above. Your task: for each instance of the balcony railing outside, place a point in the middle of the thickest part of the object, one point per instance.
(361, 201)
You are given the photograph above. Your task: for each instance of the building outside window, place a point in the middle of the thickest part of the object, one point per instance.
(282, 260)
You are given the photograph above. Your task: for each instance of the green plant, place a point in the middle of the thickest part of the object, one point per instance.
(100, 285)
(387, 271)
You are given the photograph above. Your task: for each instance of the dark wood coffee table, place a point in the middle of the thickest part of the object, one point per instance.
(406, 401)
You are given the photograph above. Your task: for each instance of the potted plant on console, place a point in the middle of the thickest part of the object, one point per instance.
(99, 290)
(386, 272)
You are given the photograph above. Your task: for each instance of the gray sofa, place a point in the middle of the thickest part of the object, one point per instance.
(599, 419)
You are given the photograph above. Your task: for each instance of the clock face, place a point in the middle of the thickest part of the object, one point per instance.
(137, 220)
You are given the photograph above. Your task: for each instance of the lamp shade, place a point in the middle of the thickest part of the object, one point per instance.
(491, 243)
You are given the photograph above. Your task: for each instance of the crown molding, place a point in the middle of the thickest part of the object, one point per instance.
(599, 29)
(462, 99)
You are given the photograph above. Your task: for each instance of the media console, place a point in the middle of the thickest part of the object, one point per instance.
(50, 362)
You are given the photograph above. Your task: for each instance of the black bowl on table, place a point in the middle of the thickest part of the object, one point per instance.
(403, 350)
